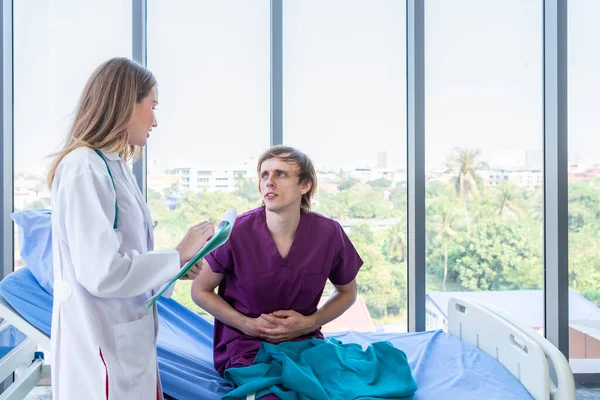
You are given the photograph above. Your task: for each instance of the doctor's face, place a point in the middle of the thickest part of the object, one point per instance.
(280, 186)
(143, 119)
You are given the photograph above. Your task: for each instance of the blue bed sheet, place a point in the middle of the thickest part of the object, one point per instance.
(443, 366)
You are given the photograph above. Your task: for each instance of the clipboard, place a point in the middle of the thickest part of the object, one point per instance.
(219, 238)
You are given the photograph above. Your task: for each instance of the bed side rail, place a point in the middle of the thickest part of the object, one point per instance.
(565, 388)
(515, 350)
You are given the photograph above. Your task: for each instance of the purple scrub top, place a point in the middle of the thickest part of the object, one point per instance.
(258, 280)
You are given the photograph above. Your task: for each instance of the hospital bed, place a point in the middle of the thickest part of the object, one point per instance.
(485, 354)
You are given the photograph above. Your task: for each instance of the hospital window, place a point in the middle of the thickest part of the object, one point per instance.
(344, 78)
(222, 90)
(484, 242)
(584, 186)
(48, 79)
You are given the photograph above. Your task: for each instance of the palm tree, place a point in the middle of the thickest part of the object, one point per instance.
(240, 180)
(444, 214)
(535, 207)
(507, 198)
(396, 242)
(464, 164)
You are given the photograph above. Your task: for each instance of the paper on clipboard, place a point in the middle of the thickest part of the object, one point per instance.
(219, 238)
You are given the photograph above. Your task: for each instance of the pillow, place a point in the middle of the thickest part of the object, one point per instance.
(35, 241)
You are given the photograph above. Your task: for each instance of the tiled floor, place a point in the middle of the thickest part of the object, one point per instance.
(583, 393)
(588, 392)
(40, 393)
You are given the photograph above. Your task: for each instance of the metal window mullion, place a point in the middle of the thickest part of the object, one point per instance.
(415, 93)
(6, 153)
(7, 150)
(276, 22)
(556, 232)
(139, 46)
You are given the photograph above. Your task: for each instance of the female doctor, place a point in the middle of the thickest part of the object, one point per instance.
(103, 336)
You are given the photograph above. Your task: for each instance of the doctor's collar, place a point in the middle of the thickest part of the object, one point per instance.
(111, 155)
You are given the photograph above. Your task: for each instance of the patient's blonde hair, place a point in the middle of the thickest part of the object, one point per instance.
(104, 110)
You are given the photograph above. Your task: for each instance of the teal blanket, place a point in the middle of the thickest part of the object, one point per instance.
(324, 370)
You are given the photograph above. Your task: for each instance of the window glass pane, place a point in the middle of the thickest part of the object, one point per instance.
(484, 159)
(345, 106)
(57, 45)
(584, 186)
(211, 60)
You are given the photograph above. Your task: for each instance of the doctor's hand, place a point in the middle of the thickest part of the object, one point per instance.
(289, 325)
(194, 239)
(194, 271)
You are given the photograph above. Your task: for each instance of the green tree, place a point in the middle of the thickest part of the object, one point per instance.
(35, 205)
(380, 183)
(396, 242)
(368, 204)
(375, 282)
(464, 164)
(347, 184)
(495, 256)
(174, 188)
(248, 189)
(584, 263)
(443, 215)
(508, 199)
(333, 206)
(584, 205)
(153, 195)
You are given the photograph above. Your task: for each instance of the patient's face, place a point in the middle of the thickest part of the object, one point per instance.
(279, 185)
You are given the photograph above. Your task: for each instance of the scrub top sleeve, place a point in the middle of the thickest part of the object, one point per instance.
(347, 262)
(220, 260)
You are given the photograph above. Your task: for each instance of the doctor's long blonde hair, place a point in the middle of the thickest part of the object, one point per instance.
(104, 110)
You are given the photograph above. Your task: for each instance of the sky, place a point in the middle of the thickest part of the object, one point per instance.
(344, 77)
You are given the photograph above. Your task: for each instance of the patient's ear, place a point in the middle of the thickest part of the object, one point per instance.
(305, 186)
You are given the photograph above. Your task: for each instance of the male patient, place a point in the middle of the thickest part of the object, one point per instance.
(272, 271)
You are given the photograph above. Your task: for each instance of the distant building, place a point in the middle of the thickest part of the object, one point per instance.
(31, 190)
(211, 179)
(581, 172)
(159, 182)
(367, 174)
(525, 178)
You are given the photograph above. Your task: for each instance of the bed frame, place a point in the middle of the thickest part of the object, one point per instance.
(519, 348)
(26, 361)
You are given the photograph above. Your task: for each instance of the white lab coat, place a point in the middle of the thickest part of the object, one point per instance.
(102, 278)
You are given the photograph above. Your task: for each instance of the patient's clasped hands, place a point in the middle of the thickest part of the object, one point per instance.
(280, 326)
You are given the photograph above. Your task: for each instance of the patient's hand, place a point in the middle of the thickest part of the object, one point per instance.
(254, 326)
(194, 271)
(288, 325)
